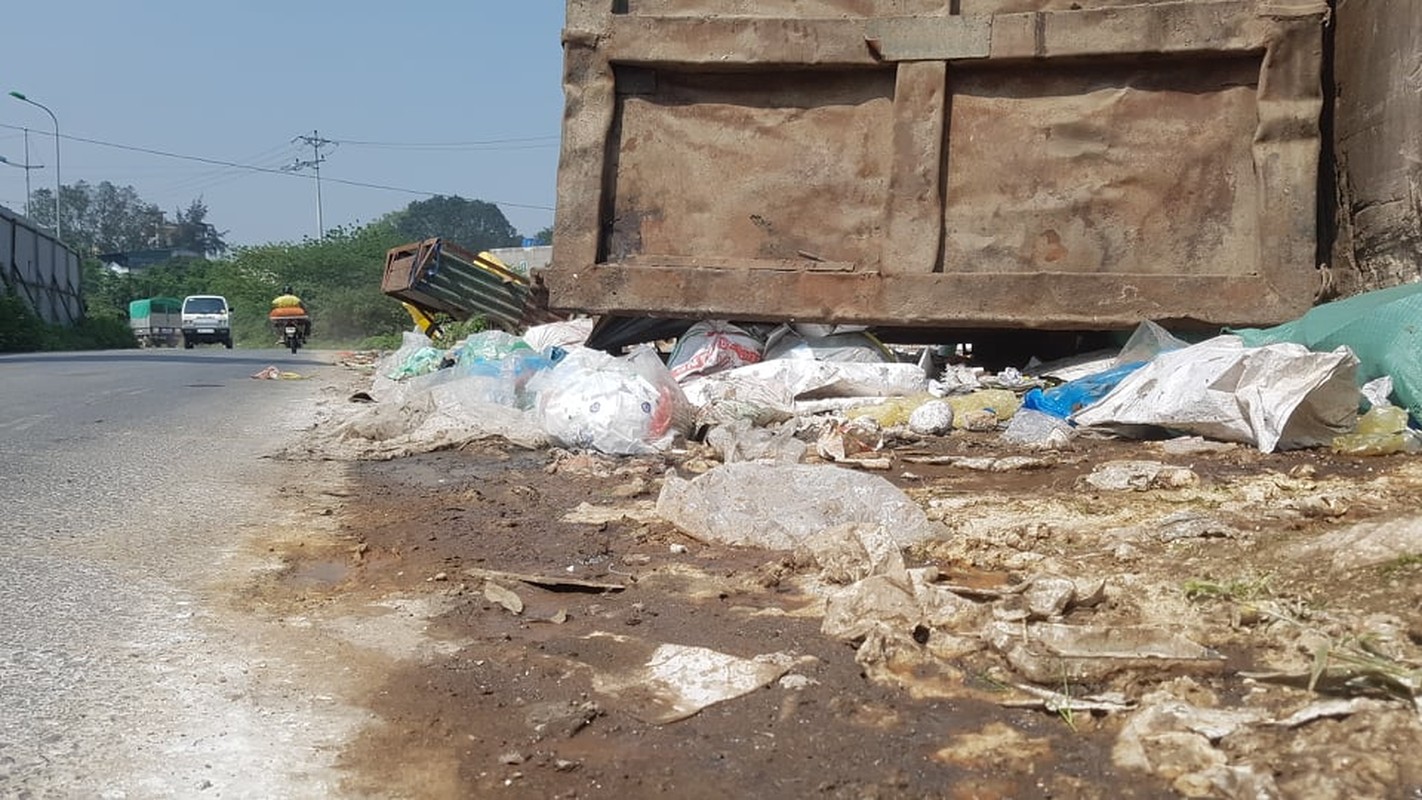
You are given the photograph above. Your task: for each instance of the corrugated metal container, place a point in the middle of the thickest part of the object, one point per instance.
(441, 278)
(941, 163)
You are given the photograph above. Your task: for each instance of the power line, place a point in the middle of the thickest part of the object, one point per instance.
(270, 170)
(268, 157)
(527, 142)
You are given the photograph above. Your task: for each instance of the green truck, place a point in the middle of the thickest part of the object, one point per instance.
(156, 321)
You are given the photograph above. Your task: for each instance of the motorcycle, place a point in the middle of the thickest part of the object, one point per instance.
(292, 329)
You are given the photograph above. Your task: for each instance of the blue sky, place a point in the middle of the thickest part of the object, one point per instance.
(237, 81)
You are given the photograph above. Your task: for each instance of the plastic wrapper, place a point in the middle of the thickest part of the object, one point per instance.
(784, 386)
(620, 406)
(495, 367)
(1148, 341)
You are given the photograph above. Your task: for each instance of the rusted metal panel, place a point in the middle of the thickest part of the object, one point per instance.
(782, 9)
(929, 38)
(814, 152)
(1015, 164)
(1378, 143)
(1084, 169)
(441, 278)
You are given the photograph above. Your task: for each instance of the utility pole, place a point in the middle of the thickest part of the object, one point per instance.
(317, 144)
(26, 131)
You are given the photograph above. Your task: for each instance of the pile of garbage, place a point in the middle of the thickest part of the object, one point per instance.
(766, 400)
(760, 392)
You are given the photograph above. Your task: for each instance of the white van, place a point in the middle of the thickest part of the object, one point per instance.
(206, 319)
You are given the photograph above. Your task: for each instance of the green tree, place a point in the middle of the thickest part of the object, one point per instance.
(338, 277)
(472, 224)
(106, 294)
(102, 218)
(544, 237)
(193, 232)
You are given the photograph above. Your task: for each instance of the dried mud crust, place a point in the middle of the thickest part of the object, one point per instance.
(512, 709)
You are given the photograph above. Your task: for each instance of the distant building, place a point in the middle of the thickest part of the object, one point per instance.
(140, 260)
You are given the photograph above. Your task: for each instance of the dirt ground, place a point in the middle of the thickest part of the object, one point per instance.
(489, 702)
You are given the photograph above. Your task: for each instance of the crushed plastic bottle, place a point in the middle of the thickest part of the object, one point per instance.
(1380, 432)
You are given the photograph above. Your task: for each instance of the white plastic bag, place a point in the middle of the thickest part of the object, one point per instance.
(620, 406)
(559, 334)
(1276, 397)
(842, 345)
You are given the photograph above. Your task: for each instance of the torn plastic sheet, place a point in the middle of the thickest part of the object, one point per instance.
(678, 680)
(1280, 396)
(1139, 476)
(1366, 544)
(778, 385)
(852, 552)
(1048, 653)
(777, 506)
(442, 417)
(740, 440)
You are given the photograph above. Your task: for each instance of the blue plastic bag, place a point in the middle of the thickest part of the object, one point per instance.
(1072, 396)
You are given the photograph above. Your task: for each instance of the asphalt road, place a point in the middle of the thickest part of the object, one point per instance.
(128, 481)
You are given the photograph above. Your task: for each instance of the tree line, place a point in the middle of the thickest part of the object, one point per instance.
(338, 275)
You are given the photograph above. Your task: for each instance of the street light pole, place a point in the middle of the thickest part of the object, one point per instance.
(58, 187)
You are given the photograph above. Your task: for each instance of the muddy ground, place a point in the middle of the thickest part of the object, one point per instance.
(486, 702)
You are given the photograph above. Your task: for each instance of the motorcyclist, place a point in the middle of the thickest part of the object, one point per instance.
(287, 299)
(288, 308)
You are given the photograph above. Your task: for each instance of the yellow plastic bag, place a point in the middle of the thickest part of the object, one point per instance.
(891, 413)
(1380, 432)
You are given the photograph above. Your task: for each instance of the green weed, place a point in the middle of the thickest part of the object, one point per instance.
(1242, 589)
(1400, 564)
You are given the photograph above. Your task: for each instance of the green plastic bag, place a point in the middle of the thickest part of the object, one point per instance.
(1382, 328)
